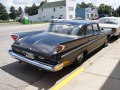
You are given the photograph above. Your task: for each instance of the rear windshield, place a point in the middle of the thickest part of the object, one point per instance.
(108, 21)
(63, 29)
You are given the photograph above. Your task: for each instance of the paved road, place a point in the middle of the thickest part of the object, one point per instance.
(15, 76)
(9, 24)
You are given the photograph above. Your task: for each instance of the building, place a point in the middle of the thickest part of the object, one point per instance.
(87, 13)
(64, 9)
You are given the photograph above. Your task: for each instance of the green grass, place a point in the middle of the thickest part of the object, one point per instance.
(39, 22)
(14, 22)
(9, 22)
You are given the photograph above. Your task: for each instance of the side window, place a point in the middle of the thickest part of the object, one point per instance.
(80, 32)
(95, 28)
(89, 30)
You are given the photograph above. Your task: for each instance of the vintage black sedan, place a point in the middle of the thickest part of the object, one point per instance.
(64, 43)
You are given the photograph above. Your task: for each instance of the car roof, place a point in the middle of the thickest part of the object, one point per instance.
(76, 22)
(110, 17)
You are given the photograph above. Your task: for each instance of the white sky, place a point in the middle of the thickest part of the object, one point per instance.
(23, 3)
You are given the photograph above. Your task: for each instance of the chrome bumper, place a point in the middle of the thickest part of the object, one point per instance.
(39, 64)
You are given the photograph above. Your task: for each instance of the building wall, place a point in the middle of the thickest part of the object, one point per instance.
(87, 13)
(33, 18)
(93, 13)
(80, 12)
(47, 14)
(69, 5)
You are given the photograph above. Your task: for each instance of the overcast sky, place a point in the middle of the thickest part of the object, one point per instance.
(23, 3)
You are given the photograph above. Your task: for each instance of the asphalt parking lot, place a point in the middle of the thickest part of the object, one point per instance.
(101, 70)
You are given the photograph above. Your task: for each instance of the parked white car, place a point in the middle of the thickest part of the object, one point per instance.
(112, 23)
(55, 20)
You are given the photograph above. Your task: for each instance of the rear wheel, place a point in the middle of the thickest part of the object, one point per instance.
(79, 59)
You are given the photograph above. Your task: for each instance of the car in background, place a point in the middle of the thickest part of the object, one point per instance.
(112, 23)
(103, 15)
(55, 20)
(63, 44)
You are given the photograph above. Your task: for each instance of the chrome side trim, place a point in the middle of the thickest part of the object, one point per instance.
(72, 51)
(33, 62)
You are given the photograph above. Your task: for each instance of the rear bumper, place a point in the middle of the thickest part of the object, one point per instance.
(36, 63)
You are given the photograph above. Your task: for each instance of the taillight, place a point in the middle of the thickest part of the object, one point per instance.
(60, 48)
(14, 37)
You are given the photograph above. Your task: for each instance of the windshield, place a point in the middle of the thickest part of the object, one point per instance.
(62, 29)
(108, 21)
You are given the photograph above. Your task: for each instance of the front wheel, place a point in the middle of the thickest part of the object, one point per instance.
(105, 43)
(79, 59)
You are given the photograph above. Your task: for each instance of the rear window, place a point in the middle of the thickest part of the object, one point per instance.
(89, 30)
(62, 29)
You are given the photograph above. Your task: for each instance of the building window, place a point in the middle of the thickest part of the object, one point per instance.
(43, 16)
(70, 8)
(60, 17)
(87, 15)
(42, 10)
(70, 16)
(52, 17)
(54, 9)
(92, 15)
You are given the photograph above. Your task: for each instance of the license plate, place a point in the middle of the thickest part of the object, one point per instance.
(28, 55)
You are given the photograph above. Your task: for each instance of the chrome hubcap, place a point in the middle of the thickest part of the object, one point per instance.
(80, 57)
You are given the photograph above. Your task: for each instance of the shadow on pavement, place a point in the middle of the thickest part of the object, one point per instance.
(113, 81)
(112, 39)
(30, 74)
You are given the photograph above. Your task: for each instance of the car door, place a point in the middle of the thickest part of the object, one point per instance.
(91, 37)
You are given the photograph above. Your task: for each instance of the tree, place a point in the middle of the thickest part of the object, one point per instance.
(118, 11)
(41, 3)
(34, 9)
(31, 10)
(3, 13)
(114, 13)
(84, 5)
(26, 9)
(105, 9)
(12, 14)
(20, 11)
(17, 13)
(5, 16)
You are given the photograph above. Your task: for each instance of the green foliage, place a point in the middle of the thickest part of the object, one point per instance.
(5, 16)
(118, 11)
(26, 9)
(41, 3)
(3, 13)
(84, 5)
(105, 9)
(31, 10)
(13, 13)
(20, 11)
